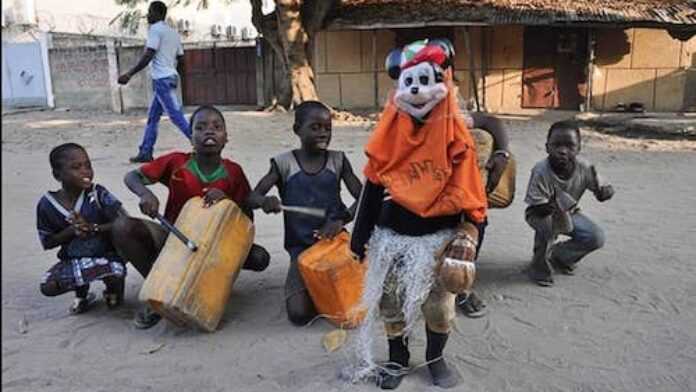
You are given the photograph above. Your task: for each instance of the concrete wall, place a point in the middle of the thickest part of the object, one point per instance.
(93, 17)
(84, 70)
(648, 66)
(644, 65)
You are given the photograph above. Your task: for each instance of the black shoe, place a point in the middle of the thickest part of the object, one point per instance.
(141, 158)
(562, 267)
(541, 278)
(394, 371)
(443, 376)
(471, 305)
(146, 318)
(390, 376)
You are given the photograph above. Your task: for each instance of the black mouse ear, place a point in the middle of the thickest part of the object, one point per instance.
(447, 47)
(439, 78)
(393, 63)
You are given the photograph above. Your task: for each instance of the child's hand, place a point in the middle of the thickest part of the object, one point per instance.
(149, 205)
(271, 205)
(80, 226)
(212, 196)
(329, 230)
(605, 193)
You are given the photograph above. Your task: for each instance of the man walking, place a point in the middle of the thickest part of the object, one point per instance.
(162, 51)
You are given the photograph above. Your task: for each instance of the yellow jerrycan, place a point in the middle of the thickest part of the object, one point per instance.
(192, 288)
(334, 280)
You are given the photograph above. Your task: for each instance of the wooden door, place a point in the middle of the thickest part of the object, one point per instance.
(555, 62)
(223, 76)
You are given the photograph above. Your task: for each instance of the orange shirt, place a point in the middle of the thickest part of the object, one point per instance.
(431, 170)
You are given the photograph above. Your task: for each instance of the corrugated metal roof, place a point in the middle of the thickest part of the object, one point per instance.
(386, 13)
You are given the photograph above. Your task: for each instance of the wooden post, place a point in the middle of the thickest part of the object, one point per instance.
(472, 72)
(375, 75)
(590, 69)
(260, 80)
(112, 58)
(118, 68)
(484, 67)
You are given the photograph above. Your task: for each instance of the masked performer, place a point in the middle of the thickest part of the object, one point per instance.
(419, 211)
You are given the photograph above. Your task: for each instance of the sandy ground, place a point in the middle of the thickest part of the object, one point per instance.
(625, 322)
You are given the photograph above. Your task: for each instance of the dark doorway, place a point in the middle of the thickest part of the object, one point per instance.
(555, 65)
(223, 76)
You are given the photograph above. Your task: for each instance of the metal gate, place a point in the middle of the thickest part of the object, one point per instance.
(223, 76)
(23, 83)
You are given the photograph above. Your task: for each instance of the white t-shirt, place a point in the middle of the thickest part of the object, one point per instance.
(166, 43)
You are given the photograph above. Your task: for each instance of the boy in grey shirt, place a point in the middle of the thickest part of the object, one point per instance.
(556, 185)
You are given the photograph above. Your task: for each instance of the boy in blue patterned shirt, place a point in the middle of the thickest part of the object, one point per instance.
(78, 218)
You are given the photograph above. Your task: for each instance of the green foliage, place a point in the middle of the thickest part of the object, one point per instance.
(130, 18)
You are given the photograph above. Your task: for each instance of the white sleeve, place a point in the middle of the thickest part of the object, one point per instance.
(154, 38)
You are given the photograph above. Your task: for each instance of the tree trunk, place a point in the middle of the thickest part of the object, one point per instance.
(267, 25)
(295, 42)
(289, 30)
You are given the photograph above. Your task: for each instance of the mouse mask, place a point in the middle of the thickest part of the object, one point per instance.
(419, 71)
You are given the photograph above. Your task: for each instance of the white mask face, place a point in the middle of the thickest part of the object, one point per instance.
(418, 89)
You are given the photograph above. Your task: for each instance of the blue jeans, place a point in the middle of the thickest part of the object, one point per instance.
(164, 99)
(585, 238)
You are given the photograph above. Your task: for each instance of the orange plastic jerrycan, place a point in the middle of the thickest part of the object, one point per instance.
(334, 280)
(192, 288)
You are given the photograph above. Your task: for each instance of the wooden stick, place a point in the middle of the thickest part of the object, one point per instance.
(318, 212)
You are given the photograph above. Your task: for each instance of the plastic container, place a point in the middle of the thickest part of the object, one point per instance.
(334, 280)
(504, 193)
(192, 288)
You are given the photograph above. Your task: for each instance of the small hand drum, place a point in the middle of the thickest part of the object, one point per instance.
(457, 270)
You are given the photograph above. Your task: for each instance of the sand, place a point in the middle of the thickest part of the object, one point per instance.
(625, 322)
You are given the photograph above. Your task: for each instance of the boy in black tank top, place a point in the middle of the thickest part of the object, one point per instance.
(307, 177)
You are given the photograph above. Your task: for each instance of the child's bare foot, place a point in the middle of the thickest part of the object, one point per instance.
(81, 305)
(113, 300)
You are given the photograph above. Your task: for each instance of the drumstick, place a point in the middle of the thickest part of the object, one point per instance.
(189, 244)
(318, 212)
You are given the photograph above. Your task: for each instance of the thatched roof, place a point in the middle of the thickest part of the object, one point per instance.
(404, 13)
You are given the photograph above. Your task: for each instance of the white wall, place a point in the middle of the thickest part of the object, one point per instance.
(93, 16)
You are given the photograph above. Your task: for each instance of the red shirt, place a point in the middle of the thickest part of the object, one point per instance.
(174, 171)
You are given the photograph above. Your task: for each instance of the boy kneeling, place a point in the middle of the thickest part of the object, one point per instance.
(202, 172)
(556, 185)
